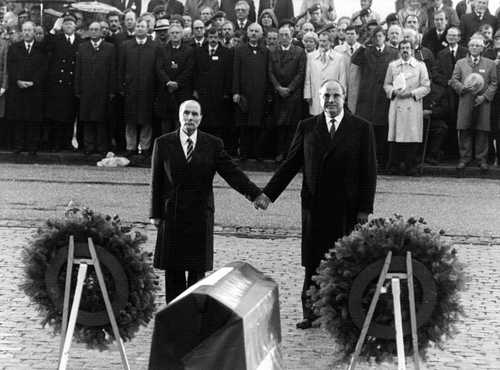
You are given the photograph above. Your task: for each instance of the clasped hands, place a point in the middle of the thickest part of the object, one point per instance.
(261, 202)
(402, 94)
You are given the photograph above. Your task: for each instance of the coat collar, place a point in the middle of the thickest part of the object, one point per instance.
(325, 143)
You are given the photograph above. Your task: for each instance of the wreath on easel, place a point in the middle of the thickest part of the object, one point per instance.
(128, 273)
(347, 281)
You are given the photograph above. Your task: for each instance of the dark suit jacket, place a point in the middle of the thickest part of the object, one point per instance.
(26, 104)
(95, 80)
(244, 28)
(470, 23)
(339, 180)
(446, 63)
(213, 78)
(434, 43)
(182, 197)
(172, 6)
(175, 65)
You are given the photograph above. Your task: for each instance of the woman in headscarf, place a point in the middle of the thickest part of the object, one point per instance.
(267, 20)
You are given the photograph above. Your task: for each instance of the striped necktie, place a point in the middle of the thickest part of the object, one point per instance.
(189, 152)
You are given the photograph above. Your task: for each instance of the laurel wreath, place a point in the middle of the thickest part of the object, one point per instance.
(367, 244)
(123, 243)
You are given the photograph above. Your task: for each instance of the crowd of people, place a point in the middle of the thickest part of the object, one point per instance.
(115, 82)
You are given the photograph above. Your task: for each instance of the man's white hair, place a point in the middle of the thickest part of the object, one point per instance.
(183, 105)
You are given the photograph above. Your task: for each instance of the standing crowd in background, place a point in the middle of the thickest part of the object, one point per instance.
(115, 82)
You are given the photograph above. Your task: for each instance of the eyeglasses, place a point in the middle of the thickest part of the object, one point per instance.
(198, 28)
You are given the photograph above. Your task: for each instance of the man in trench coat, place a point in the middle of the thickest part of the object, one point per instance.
(95, 85)
(336, 152)
(183, 166)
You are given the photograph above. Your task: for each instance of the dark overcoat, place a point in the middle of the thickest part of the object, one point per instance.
(26, 104)
(470, 23)
(445, 63)
(137, 76)
(372, 102)
(95, 80)
(227, 6)
(287, 69)
(175, 65)
(283, 9)
(339, 180)
(250, 79)
(182, 198)
(61, 103)
(212, 80)
(433, 42)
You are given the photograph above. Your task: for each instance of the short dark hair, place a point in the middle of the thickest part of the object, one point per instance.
(404, 42)
(113, 14)
(212, 31)
(352, 28)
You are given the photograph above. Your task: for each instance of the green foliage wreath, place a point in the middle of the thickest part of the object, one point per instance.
(370, 243)
(123, 243)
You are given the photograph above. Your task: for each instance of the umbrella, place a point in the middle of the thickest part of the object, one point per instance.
(94, 7)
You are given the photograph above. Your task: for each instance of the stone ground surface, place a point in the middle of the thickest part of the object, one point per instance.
(466, 208)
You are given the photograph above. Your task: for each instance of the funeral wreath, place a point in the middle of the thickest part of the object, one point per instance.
(128, 273)
(347, 280)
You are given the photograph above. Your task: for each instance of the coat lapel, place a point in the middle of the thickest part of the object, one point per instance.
(340, 133)
(322, 134)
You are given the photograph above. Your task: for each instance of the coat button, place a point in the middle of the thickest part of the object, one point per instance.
(64, 60)
(62, 70)
(60, 81)
(70, 73)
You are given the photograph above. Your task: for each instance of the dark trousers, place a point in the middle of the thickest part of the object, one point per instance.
(380, 133)
(61, 134)
(176, 282)
(117, 131)
(95, 136)
(169, 124)
(467, 140)
(6, 134)
(249, 140)
(306, 300)
(403, 153)
(437, 135)
(284, 136)
(27, 135)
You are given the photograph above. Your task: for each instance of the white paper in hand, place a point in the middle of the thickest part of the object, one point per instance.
(400, 82)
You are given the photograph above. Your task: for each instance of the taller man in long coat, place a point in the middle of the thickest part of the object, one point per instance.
(95, 85)
(372, 104)
(61, 103)
(250, 85)
(137, 74)
(27, 71)
(213, 77)
(287, 65)
(336, 153)
(182, 201)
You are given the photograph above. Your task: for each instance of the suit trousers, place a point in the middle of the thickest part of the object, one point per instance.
(61, 134)
(307, 310)
(403, 153)
(467, 139)
(95, 136)
(381, 145)
(284, 137)
(249, 140)
(27, 135)
(437, 135)
(145, 136)
(176, 282)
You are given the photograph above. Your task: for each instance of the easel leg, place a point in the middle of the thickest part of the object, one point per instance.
(413, 314)
(371, 310)
(107, 302)
(67, 289)
(396, 294)
(63, 359)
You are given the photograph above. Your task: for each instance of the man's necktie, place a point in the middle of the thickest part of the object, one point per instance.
(211, 52)
(323, 56)
(69, 40)
(332, 129)
(189, 153)
(28, 49)
(475, 61)
(352, 50)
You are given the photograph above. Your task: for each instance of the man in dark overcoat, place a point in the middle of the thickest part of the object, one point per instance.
(61, 103)
(228, 7)
(283, 9)
(182, 202)
(373, 106)
(137, 76)
(435, 37)
(445, 63)
(287, 68)
(176, 78)
(336, 152)
(95, 86)
(213, 77)
(250, 85)
(27, 71)
(471, 22)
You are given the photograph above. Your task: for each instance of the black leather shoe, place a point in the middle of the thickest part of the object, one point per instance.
(304, 324)
(483, 167)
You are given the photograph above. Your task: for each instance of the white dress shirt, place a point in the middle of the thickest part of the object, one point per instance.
(70, 38)
(141, 42)
(336, 120)
(184, 138)
(29, 45)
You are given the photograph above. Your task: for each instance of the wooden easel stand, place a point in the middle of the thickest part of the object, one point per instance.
(395, 283)
(68, 327)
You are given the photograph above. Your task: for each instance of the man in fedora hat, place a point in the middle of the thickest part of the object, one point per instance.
(161, 29)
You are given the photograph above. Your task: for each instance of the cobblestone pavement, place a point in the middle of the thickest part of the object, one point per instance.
(25, 345)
